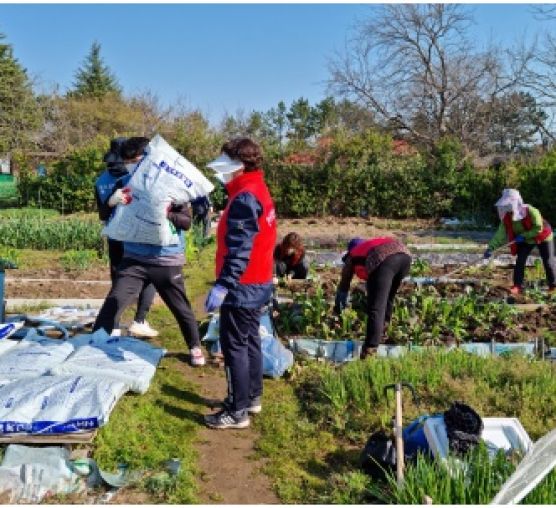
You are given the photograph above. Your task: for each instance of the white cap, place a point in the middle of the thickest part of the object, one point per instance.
(511, 200)
(224, 165)
(509, 197)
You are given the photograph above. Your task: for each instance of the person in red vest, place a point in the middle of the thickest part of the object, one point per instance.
(289, 258)
(245, 240)
(523, 226)
(382, 262)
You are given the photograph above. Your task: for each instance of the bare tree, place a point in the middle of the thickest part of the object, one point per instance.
(414, 67)
(538, 59)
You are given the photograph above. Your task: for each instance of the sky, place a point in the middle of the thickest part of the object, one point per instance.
(219, 58)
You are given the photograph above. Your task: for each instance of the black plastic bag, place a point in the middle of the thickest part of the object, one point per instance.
(379, 455)
(463, 427)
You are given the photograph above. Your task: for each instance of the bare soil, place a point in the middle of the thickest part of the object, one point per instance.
(326, 232)
(229, 471)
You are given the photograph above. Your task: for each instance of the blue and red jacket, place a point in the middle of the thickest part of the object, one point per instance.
(246, 236)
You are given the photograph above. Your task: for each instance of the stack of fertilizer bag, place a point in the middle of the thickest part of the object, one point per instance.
(50, 386)
(161, 178)
(276, 358)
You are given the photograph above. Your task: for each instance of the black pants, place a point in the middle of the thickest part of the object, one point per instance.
(546, 250)
(241, 346)
(382, 286)
(131, 278)
(298, 271)
(147, 293)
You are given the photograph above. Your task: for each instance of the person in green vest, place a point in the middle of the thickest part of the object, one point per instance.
(524, 228)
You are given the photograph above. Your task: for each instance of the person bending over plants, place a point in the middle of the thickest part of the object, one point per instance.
(289, 258)
(523, 226)
(382, 262)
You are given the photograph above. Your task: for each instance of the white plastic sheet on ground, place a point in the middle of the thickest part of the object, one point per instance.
(163, 177)
(57, 404)
(125, 359)
(34, 356)
(337, 351)
(28, 474)
(70, 317)
(6, 345)
(537, 463)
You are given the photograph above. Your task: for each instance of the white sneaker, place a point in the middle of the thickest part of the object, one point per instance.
(196, 357)
(142, 329)
(116, 332)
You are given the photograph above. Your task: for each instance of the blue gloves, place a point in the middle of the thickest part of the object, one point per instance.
(487, 254)
(519, 239)
(215, 297)
(341, 301)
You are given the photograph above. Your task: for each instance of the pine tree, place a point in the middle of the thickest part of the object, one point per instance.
(19, 111)
(94, 79)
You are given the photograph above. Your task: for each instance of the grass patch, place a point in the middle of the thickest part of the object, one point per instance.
(147, 430)
(316, 426)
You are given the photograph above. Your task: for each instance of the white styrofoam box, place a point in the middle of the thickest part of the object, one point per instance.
(498, 433)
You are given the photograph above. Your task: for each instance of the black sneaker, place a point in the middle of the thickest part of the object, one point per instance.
(255, 406)
(227, 420)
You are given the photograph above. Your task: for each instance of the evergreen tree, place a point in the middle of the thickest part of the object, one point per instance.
(19, 112)
(94, 79)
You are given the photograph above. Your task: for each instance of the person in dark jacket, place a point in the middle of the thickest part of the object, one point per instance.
(289, 258)
(246, 237)
(382, 262)
(144, 264)
(110, 190)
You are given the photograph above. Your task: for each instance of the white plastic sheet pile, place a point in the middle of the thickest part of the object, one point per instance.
(34, 356)
(162, 177)
(28, 474)
(57, 404)
(125, 359)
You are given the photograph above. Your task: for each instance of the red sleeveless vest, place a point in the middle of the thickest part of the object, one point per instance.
(260, 265)
(527, 226)
(362, 250)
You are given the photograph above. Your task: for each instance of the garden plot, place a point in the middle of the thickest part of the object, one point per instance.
(429, 315)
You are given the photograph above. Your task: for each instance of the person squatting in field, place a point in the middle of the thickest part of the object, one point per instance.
(246, 237)
(523, 226)
(110, 191)
(289, 258)
(144, 264)
(382, 262)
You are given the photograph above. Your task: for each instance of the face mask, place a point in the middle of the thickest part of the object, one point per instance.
(130, 166)
(291, 252)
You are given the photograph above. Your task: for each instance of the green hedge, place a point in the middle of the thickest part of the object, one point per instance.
(351, 176)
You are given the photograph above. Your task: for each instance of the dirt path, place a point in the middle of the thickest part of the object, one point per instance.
(230, 474)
